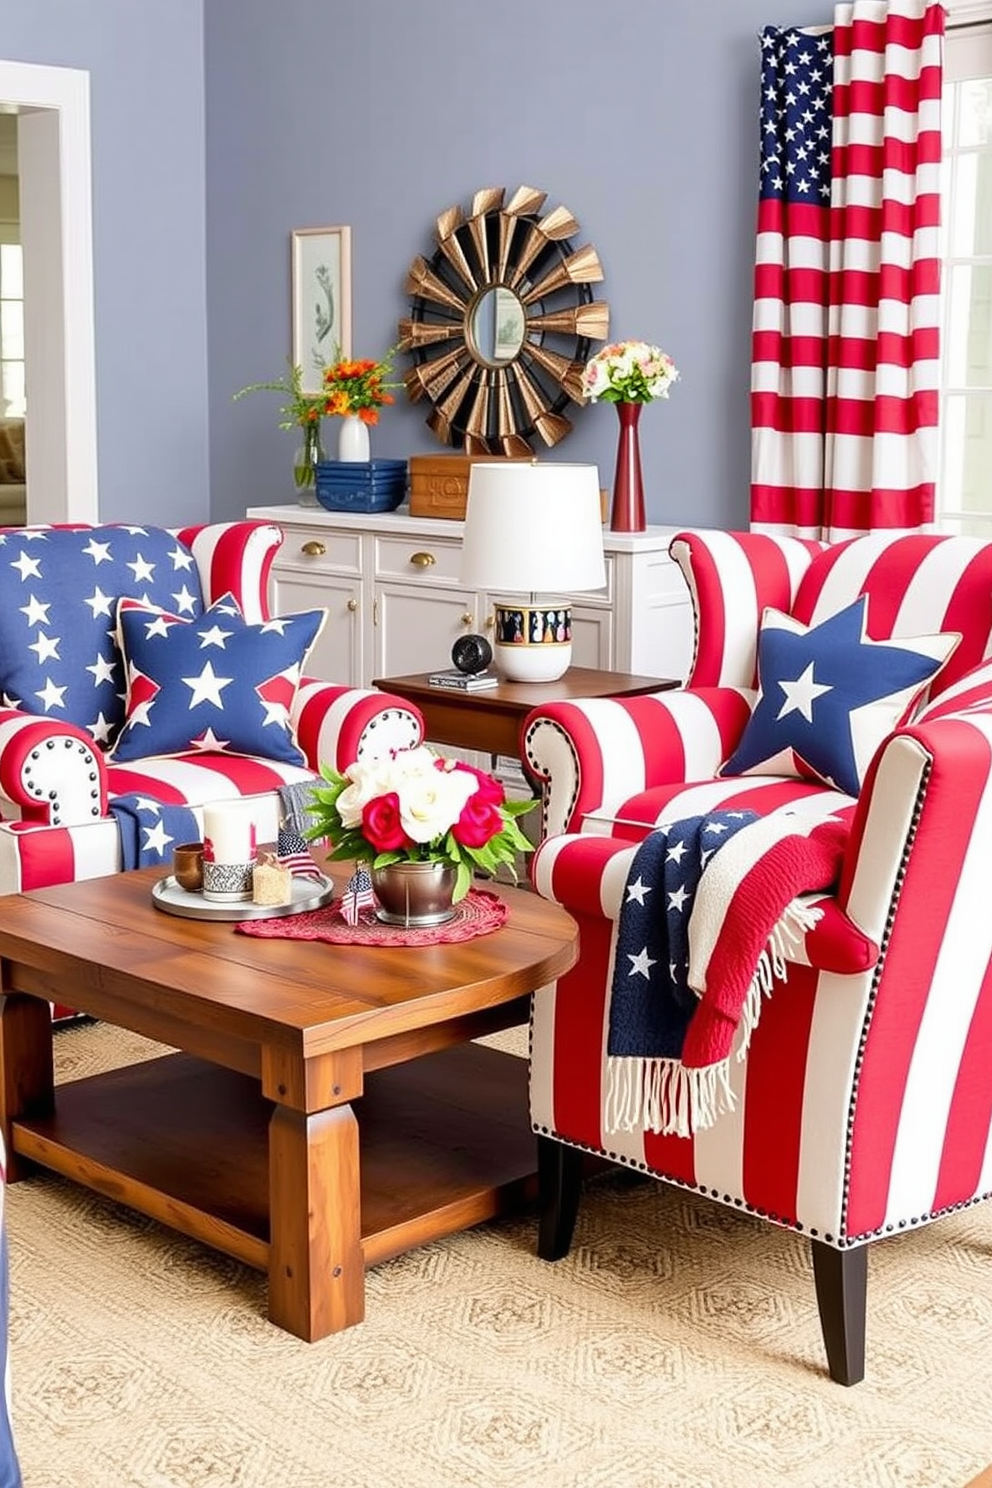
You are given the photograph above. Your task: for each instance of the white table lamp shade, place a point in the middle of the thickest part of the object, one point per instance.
(532, 529)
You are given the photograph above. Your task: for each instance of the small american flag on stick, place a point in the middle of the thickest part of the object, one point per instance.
(294, 853)
(358, 895)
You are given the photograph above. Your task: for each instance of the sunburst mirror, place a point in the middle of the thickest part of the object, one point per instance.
(502, 321)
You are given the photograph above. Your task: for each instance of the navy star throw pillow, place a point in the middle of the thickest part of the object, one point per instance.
(59, 591)
(215, 683)
(828, 695)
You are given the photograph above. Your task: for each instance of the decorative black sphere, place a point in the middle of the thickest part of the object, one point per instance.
(471, 654)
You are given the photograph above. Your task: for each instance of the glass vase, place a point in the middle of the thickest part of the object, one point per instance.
(305, 463)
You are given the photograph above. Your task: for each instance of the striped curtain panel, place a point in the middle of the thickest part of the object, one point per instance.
(845, 348)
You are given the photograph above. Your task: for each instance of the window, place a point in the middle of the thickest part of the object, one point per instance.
(12, 399)
(964, 484)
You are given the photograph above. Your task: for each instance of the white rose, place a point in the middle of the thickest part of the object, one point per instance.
(364, 787)
(431, 803)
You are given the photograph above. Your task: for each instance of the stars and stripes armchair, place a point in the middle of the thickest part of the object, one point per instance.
(58, 770)
(860, 1100)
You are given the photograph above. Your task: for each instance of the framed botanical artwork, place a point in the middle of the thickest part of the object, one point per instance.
(321, 280)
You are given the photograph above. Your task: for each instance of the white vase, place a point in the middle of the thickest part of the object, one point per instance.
(353, 438)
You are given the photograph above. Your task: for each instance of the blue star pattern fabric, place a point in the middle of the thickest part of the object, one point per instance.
(653, 935)
(59, 591)
(149, 830)
(828, 695)
(215, 683)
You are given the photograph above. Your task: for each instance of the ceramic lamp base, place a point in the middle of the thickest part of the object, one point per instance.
(533, 641)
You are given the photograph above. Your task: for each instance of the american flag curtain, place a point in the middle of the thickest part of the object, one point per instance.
(845, 348)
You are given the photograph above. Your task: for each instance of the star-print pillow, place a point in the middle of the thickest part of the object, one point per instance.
(828, 695)
(215, 683)
(59, 591)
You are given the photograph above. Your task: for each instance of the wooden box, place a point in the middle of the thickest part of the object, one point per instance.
(439, 484)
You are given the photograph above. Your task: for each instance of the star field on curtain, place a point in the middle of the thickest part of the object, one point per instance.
(845, 347)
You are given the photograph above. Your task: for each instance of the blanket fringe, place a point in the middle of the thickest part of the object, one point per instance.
(666, 1097)
(787, 933)
(663, 1096)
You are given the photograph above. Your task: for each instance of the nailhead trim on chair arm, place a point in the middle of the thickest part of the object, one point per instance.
(53, 772)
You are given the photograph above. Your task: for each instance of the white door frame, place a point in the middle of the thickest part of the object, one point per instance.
(53, 105)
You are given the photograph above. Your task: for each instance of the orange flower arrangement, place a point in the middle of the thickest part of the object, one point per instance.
(360, 387)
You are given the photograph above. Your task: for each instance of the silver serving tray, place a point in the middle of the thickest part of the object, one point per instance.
(308, 893)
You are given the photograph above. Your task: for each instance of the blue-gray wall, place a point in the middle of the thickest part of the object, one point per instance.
(220, 125)
(145, 62)
(641, 118)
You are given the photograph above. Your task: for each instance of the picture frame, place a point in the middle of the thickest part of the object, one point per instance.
(321, 299)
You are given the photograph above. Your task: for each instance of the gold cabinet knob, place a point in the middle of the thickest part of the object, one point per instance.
(468, 618)
(353, 605)
(422, 560)
(490, 622)
(314, 549)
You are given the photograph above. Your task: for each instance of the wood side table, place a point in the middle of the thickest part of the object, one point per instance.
(491, 719)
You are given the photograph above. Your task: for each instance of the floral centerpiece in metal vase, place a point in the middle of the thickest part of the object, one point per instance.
(423, 824)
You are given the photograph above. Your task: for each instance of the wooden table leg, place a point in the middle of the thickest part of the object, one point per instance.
(27, 1076)
(316, 1266)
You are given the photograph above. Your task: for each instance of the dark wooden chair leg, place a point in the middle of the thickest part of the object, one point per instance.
(559, 1181)
(841, 1278)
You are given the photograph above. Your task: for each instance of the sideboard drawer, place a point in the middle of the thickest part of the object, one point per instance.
(421, 560)
(318, 550)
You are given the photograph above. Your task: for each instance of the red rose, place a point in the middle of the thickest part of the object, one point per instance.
(488, 787)
(381, 823)
(480, 820)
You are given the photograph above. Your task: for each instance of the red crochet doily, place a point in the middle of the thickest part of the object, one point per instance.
(479, 913)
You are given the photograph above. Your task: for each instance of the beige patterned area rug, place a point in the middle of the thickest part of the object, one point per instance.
(677, 1346)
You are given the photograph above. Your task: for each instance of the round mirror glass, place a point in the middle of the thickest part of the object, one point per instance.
(495, 326)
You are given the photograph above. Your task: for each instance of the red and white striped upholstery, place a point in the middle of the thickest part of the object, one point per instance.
(55, 782)
(865, 1096)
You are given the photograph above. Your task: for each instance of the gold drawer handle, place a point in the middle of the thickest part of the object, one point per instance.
(468, 618)
(490, 622)
(422, 560)
(353, 605)
(314, 549)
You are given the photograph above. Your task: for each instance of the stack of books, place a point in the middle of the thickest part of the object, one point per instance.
(464, 681)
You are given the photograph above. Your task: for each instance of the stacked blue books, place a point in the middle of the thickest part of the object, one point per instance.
(361, 485)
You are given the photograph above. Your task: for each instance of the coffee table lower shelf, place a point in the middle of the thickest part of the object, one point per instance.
(444, 1144)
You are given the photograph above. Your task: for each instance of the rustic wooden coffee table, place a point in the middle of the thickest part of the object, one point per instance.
(326, 1110)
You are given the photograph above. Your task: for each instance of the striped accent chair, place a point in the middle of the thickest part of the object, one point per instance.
(55, 782)
(863, 1100)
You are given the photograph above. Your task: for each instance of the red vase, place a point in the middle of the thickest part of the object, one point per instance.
(627, 511)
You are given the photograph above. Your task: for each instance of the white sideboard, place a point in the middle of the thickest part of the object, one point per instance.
(389, 583)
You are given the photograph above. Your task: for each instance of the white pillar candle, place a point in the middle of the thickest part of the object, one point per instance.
(228, 833)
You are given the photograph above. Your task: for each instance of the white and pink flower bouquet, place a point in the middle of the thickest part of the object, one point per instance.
(629, 372)
(415, 806)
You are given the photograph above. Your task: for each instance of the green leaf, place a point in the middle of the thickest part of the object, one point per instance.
(463, 882)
